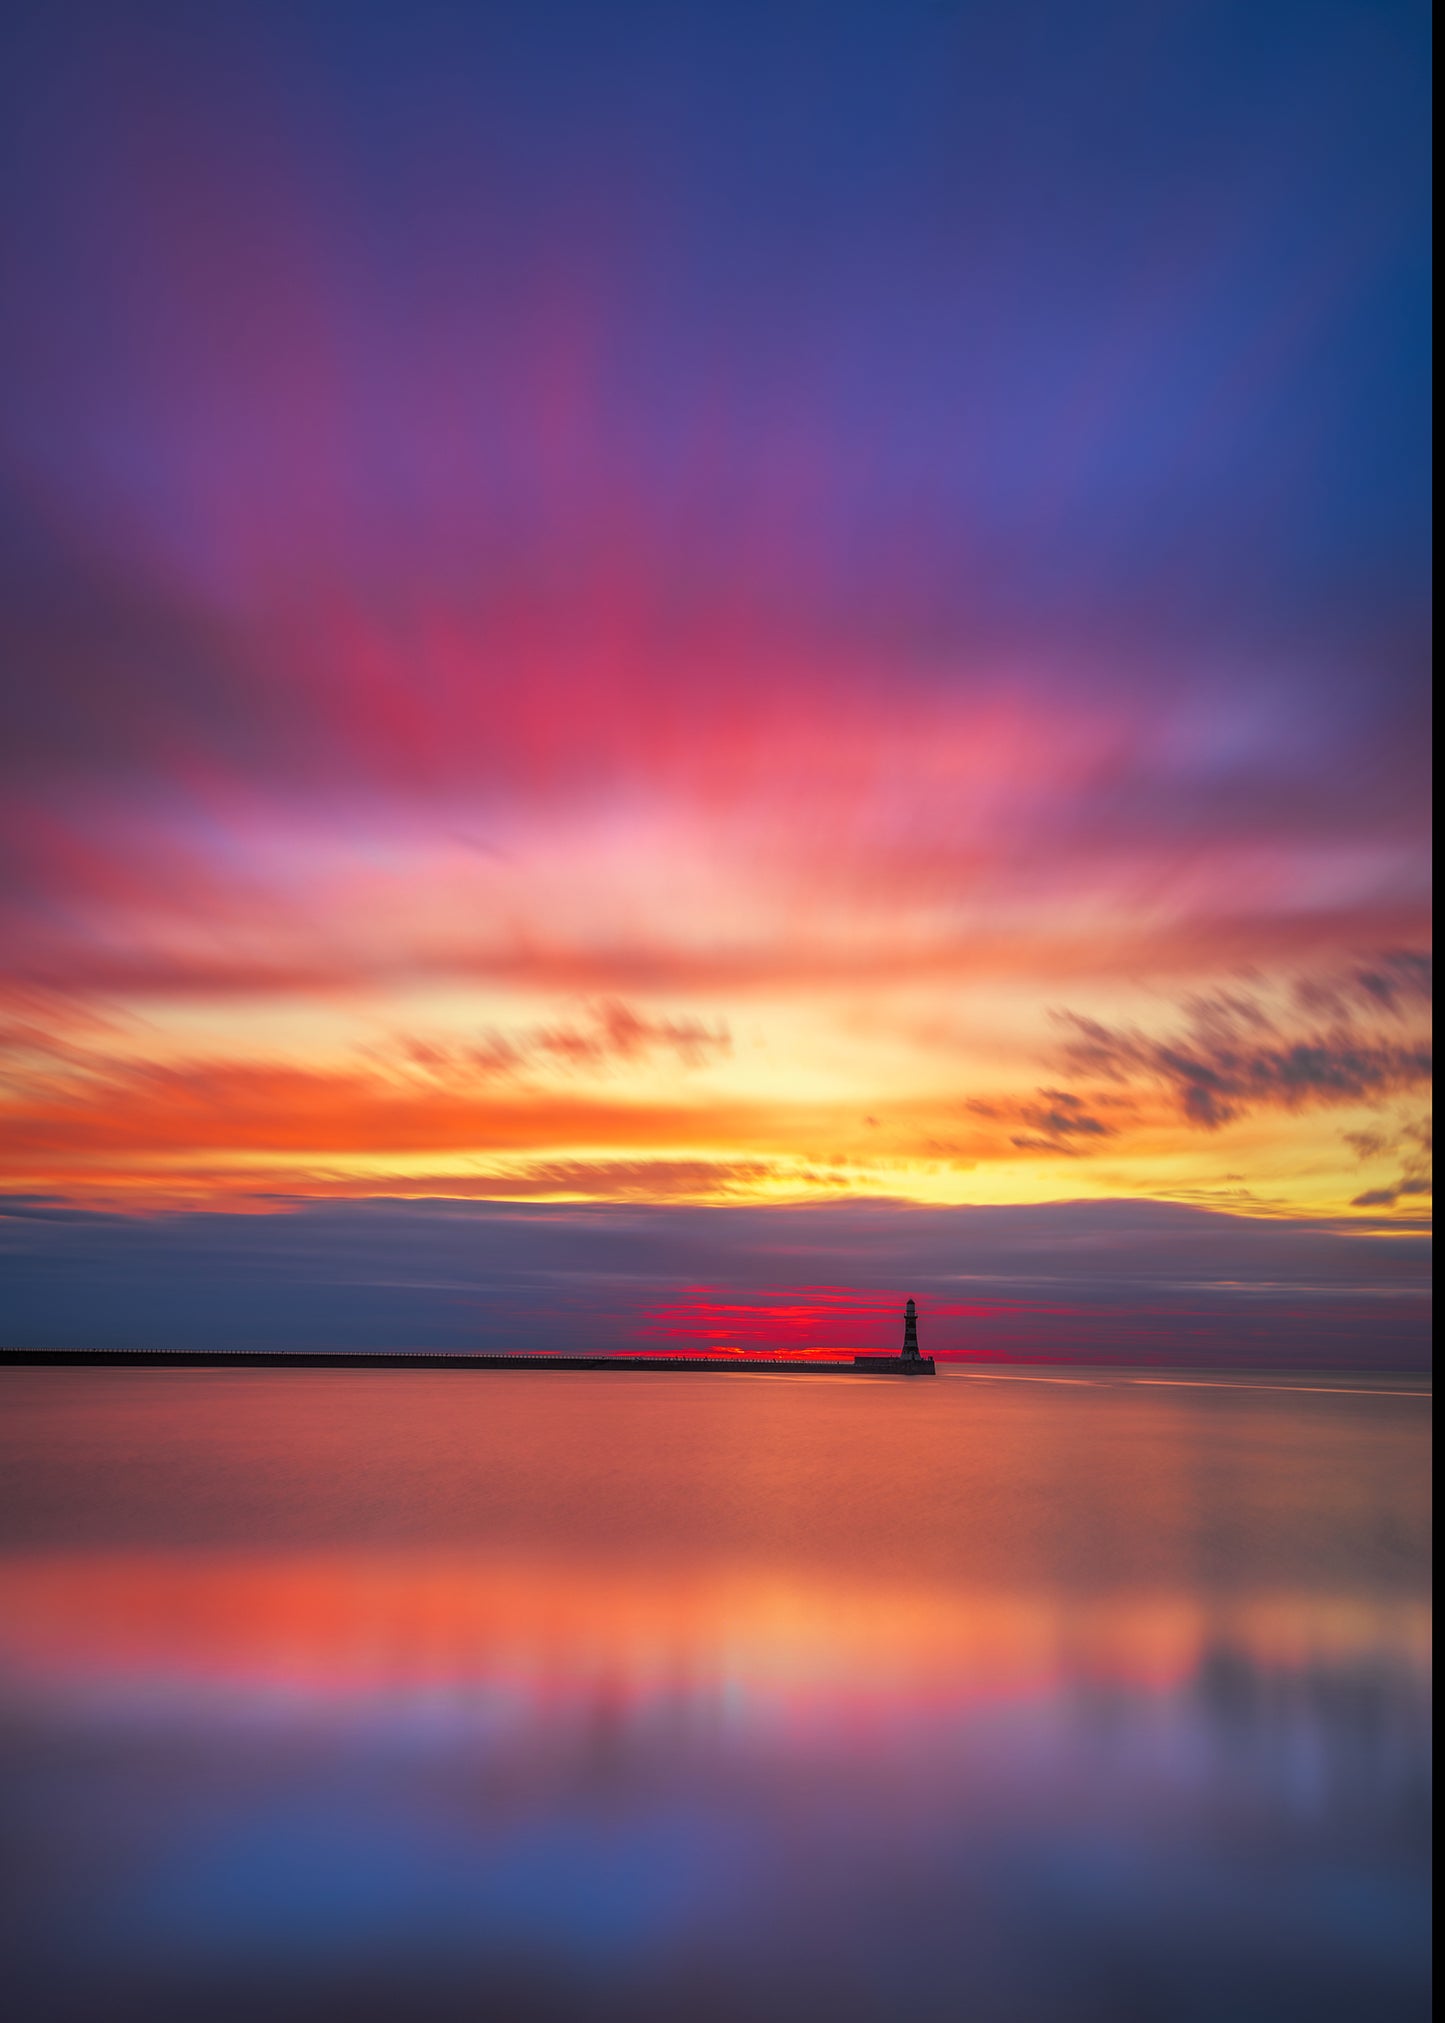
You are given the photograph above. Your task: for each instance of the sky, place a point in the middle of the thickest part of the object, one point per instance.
(645, 608)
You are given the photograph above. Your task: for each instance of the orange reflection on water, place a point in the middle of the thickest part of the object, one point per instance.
(352, 1628)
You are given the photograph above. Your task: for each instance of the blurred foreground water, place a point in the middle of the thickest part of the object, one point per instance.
(431, 1695)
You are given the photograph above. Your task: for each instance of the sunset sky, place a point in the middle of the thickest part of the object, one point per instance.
(716, 605)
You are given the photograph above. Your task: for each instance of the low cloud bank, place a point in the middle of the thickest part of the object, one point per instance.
(1146, 1282)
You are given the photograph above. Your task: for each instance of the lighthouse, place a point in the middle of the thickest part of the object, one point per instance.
(910, 1330)
(908, 1362)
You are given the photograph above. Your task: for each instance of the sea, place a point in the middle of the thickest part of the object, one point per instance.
(1024, 1693)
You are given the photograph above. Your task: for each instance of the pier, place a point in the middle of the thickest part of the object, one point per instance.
(907, 1363)
(402, 1359)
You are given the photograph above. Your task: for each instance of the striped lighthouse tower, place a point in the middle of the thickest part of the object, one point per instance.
(910, 1330)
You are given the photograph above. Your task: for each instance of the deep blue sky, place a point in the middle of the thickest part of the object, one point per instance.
(1094, 298)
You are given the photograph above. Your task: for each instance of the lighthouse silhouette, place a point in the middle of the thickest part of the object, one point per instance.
(910, 1330)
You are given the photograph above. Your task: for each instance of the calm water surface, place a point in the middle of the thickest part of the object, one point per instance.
(427, 1695)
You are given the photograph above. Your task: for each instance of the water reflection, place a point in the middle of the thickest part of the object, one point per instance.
(679, 1769)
